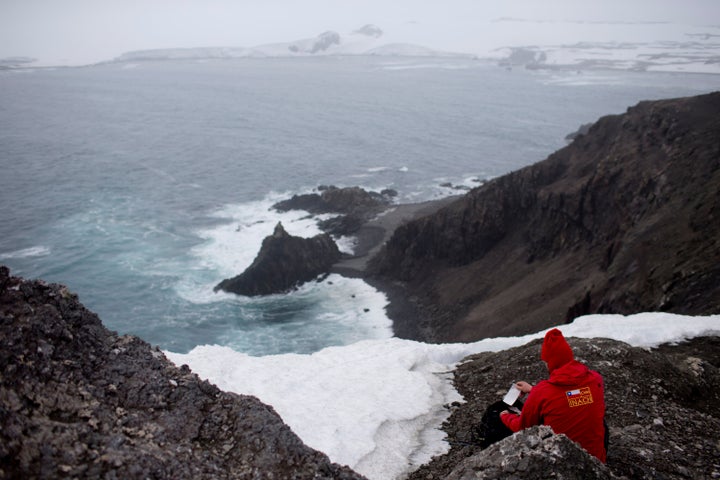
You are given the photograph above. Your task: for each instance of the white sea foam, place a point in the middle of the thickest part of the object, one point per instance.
(346, 244)
(336, 311)
(37, 251)
(376, 405)
(231, 247)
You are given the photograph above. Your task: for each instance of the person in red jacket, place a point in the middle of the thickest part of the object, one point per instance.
(571, 400)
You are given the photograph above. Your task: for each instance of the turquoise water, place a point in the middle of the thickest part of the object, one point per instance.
(140, 186)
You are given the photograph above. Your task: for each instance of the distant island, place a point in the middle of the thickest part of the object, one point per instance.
(367, 40)
(587, 46)
(698, 52)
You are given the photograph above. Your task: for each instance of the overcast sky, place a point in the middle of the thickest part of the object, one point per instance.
(85, 31)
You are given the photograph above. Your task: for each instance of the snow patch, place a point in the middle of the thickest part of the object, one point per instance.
(377, 405)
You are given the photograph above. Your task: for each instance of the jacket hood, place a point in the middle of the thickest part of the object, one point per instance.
(572, 373)
(555, 350)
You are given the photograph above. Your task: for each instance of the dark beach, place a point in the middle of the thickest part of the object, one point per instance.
(370, 238)
(374, 233)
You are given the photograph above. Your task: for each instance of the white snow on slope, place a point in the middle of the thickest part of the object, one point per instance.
(377, 405)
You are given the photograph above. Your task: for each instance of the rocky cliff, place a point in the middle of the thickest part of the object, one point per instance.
(622, 220)
(283, 263)
(79, 401)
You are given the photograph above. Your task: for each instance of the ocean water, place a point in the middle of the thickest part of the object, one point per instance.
(141, 186)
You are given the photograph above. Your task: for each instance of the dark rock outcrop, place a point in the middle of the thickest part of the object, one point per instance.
(332, 199)
(533, 453)
(79, 401)
(355, 205)
(624, 219)
(663, 407)
(283, 263)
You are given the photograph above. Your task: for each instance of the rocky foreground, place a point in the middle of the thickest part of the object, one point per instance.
(663, 410)
(79, 401)
(283, 263)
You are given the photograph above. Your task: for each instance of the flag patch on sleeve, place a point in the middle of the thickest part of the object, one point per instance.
(579, 397)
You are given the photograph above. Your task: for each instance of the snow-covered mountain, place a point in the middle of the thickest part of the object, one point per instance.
(367, 40)
(545, 43)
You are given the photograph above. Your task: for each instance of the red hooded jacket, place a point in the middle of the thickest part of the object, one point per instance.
(571, 401)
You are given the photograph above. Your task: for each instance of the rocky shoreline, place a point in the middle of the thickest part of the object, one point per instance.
(285, 262)
(622, 220)
(373, 234)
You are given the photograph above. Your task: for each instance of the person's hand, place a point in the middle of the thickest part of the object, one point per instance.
(523, 387)
(505, 412)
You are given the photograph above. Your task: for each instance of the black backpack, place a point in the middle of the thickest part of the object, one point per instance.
(491, 429)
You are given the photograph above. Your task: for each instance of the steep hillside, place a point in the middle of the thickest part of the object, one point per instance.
(79, 401)
(624, 219)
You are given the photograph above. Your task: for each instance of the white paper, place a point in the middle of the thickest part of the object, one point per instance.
(512, 395)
